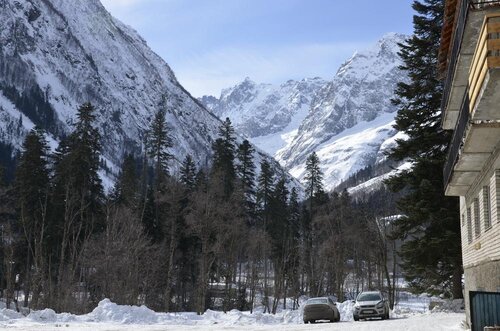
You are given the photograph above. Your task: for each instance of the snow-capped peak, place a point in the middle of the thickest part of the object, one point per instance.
(334, 118)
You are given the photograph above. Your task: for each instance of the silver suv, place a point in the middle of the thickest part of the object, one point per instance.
(371, 304)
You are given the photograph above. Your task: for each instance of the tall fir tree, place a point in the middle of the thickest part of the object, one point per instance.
(313, 178)
(32, 177)
(158, 146)
(315, 196)
(77, 201)
(127, 187)
(265, 192)
(188, 173)
(32, 186)
(77, 165)
(279, 217)
(431, 252)
(224, 155)
(245, 169)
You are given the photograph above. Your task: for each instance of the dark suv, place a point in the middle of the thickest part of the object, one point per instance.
(371, 304)
(321, 309)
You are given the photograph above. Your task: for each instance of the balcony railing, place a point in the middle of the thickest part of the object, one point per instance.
(464, 7)
(478, 4)
(455, 146)
(455, 50)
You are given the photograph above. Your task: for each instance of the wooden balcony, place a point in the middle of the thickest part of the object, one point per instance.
(476, 135)
(464, 20)
(486, 58)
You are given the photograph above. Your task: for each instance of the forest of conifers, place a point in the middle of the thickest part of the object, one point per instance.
(234, 235)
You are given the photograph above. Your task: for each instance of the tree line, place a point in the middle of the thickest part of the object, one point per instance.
(221, 237)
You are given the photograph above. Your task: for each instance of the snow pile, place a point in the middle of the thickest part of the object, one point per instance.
(8, 314)
(107, 311)
(346, 309)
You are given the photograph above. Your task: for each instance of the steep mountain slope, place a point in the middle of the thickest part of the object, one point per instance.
(360, 91)
(57, 54)
(347, 121)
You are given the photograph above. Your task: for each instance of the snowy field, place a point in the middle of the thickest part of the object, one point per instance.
(430, 322)
(110, 316)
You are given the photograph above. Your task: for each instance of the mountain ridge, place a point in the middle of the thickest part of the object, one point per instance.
(359, 92)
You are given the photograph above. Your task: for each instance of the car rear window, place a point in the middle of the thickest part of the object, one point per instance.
(369, 297)
(316, 301)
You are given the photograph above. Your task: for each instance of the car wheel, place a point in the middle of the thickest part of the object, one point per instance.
(312, 321)
(305, 322)
(387, 316)
(356, 319)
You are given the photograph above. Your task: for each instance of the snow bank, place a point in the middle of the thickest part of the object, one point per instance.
(8, 314)
(107, 311)
(111, 313)
(346, 309)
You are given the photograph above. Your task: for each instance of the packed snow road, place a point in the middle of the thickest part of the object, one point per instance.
(419, 322)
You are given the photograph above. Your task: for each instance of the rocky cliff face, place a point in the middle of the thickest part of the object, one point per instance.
(57, 54)
(345, 120)
(262, 109)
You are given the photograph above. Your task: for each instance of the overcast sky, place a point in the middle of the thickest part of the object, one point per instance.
(214, 44)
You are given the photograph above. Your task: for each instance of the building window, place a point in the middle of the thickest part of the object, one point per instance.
(469, 225)
(463, 219)
(486, 208)
(477, 222)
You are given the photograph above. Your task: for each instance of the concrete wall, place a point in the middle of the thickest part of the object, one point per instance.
(482, 277)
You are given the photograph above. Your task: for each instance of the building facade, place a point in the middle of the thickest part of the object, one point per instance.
(470, 64)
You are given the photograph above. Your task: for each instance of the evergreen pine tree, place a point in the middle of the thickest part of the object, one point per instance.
(33, 189)
(188, 173)
(77, 164)
(127, 189)
(313, 178)
(32, 177)
(158, 147)
(431, 252)
(279, 217)
(246, 173)
(78, 199)
(264, 191)
(315, 196)
(224, 154)
(264, 195)
(151, 223)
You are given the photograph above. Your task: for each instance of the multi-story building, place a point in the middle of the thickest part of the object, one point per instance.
(470, 63)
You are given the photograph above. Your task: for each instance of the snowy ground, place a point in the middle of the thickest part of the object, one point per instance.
(429, 322)
(412, 315)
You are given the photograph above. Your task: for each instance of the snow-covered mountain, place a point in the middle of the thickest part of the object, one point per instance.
(58, 54)
(258, 109)
(261, 110)
(347, 121)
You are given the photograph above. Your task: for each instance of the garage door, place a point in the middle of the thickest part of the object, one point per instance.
(485, 309)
